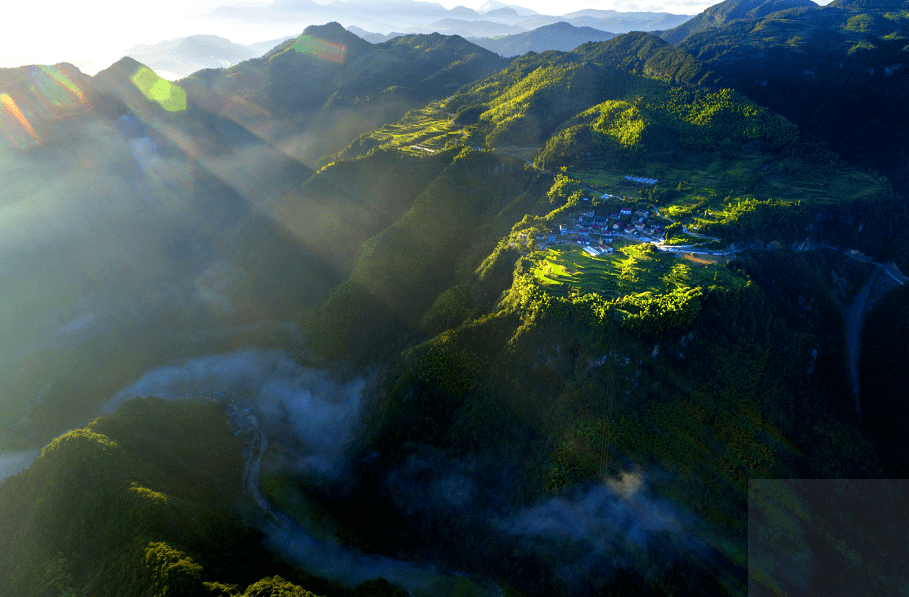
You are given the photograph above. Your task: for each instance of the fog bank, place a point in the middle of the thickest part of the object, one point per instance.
(12, 463)
(307, 407)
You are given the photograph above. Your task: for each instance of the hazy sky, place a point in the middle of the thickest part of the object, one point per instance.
(73, 30)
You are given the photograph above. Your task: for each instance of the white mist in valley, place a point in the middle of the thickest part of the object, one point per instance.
(316, 417)
(610, 523)
(317, 411)
(12, 463)
(311, 409)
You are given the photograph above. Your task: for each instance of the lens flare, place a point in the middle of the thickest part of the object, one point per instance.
(62, 80)
(319, 48)
(54, 86)
(161, 91)
(11, 107)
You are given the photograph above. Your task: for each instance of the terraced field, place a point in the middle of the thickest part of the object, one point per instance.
(632, 269)
(420, 131)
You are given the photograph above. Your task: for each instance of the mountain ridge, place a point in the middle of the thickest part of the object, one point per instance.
(558, 36)
(728, 11)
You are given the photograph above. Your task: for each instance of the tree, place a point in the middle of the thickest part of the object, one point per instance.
(275, 586)
(563, 189)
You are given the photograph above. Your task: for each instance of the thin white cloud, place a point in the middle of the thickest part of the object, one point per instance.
(97, 29)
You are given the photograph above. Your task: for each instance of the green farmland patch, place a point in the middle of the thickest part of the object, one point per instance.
(632, 269)
(680, 238)
(420, 131)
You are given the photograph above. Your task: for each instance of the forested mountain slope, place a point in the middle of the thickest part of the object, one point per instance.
(511, 367)
(594, 294)
(154, 483)
(315, 93)
(838, 71)
(728, 11)
(143, 502)
(594, 120)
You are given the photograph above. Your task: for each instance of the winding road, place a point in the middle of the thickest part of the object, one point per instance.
(329, 556)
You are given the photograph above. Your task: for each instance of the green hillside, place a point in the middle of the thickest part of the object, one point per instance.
(711, 377)
(146, 501)
(585, 298)
(729, 11)
(137, 503)
(716, 154)
(327, 86)
(452, 224)
(850, 54)
(566, 368)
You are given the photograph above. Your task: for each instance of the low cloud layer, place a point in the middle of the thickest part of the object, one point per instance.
(620, 508)
(331, 558)
(609, 525)
(12, 463)
(583, 538)
(306, 406)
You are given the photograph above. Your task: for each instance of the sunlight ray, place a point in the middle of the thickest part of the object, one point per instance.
(10, 104)
(62, 80)
(159, 90)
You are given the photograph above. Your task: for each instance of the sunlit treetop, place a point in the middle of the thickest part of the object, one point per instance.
(159, 90)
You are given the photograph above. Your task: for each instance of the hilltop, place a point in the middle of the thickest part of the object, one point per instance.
(558, 36)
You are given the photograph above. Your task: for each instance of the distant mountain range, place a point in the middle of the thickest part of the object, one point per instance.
(558, 36)
(186, 55)
(491, 20)
(508, 30)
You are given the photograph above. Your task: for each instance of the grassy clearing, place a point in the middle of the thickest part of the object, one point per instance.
(710, 180)
(632, 269)
(680, 238)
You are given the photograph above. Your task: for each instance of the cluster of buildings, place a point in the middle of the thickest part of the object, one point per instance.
(641, 180)
(597, 251)
(587, 228)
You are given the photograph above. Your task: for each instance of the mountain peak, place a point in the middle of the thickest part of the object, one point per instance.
(463, 11)
(126, 66)
(730, 10)
(491, 5)
(505, 11)
(334, 32)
